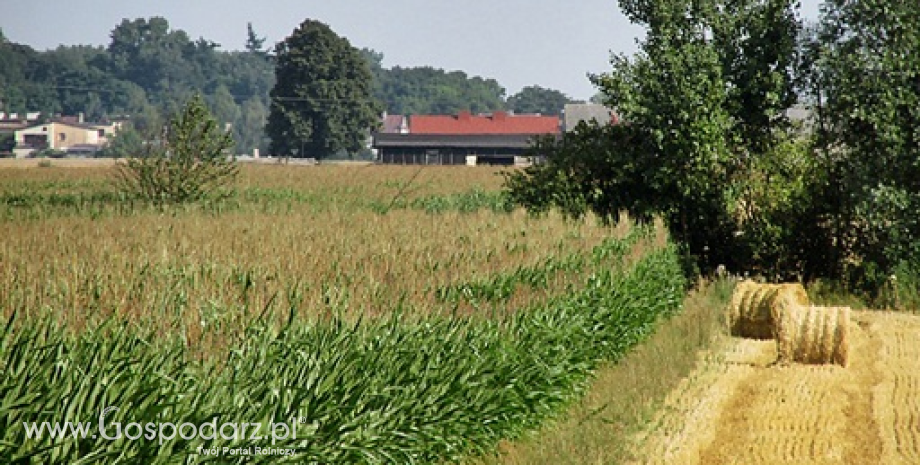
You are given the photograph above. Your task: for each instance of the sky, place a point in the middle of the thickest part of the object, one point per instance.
(550, 43)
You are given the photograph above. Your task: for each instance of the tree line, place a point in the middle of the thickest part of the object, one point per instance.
(707, 144)
(149, 70)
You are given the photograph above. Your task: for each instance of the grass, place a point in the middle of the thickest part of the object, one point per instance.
(625, 396)
(405, 315)
(829, 293)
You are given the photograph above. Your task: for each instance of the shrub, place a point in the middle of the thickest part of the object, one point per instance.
(191, 164)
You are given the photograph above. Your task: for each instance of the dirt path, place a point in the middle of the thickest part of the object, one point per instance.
(741, 408)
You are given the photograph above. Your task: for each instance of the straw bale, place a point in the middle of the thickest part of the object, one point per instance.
(755, 307)
(814, 335)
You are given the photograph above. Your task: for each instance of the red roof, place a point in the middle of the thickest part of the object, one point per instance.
(496, 123)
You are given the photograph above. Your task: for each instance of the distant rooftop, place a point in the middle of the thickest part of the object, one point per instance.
(499, 122)
(29, 116)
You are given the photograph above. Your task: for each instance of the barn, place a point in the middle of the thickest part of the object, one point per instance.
(498, 138)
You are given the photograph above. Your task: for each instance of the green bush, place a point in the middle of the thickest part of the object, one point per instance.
(192, 164)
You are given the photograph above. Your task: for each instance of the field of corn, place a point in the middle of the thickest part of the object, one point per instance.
(394, 314)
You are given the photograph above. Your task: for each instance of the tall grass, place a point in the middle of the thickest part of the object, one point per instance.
(624, 398)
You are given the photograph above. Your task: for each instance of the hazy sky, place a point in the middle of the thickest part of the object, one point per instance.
(551, 43)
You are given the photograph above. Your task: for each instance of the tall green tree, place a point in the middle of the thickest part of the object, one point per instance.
(225, 109)
(866, 81)
(254, 43)
(536, 99)
(704, 89)
(674, 91)
(757, 45)
(322, 102)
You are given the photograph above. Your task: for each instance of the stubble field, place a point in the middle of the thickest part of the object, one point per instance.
(739, 407)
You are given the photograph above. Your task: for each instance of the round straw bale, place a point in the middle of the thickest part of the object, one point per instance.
(739, 300)
(814, 335)
(755, 307)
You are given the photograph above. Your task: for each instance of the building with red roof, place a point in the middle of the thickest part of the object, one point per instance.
(499, 122)
(464, 138)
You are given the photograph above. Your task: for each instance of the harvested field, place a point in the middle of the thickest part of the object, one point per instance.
(740, 407)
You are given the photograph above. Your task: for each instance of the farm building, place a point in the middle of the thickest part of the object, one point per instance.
(498, 138)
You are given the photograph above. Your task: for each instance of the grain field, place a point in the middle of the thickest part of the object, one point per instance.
(740, 407)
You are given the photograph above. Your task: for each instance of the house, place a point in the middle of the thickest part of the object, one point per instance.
(70, 135)
(575, 113)
(499, 138)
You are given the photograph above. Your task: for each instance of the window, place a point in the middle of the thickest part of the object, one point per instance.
(62, 137)
(102, 133)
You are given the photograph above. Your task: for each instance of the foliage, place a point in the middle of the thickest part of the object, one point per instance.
(700, 112)
(254, 43)
(536, 99)
(147, 71)
(673, 97)
(776, 214)
(48, 153)
(126, 143)
(594, 168)
(7, 142)
(426, 90)
(192, 163)
(322, 102)
(757, 45)
(865, 78)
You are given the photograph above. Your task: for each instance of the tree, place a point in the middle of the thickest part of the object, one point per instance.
(322, 101)
(866, 81)
(757, 45)
(164, 62)
(254, 43)
(674, 92)
(427, 90)
(191, 164)
(536, 99)
(126, 143)
(704, 89)
(593, 168)
(225, 109)
(251, 125)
